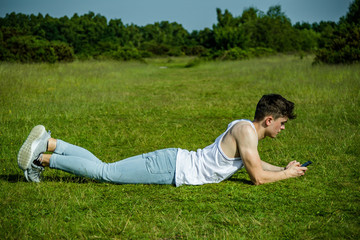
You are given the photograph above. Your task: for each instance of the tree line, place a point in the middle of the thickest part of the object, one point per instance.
(38, 38)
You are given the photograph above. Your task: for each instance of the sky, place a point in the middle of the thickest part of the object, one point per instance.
(191, 14)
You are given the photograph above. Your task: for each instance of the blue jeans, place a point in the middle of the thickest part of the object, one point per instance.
(150, 168)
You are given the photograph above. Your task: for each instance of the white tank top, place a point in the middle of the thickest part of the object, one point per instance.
(208, 165)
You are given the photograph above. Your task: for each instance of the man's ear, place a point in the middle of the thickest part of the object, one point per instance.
(268, 120)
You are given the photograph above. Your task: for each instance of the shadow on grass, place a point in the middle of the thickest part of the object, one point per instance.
(72, 179)
(241, 181)
(14, 178)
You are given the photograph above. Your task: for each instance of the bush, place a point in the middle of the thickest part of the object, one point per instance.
(126, 54)
(31, 49)
(63, 52)
(155, 48)
(261, 52)
(239, 54)
(235, 54)
(344, 47)
(197, 50)
(175, 52)
(308, 40)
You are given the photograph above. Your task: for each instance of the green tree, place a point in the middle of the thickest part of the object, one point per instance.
(343, 45)
(229, 32)
(204, 38)
(279, 33)
(353, 15)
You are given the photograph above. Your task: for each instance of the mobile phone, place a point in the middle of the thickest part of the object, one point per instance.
(306, 164)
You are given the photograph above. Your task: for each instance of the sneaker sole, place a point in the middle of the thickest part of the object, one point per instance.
(26, 152)
(26, 176)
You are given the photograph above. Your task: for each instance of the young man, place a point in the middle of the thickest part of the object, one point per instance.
(232, 150)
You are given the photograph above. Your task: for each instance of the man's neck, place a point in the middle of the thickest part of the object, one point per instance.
(260, 130)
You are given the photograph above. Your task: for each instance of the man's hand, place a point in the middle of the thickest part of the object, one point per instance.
(292, 163)
(294, 169)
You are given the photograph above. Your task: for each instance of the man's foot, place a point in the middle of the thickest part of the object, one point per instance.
(35, 144)
(33, 173)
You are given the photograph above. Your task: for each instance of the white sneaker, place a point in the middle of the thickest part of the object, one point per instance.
(33, 174)
(35, 144)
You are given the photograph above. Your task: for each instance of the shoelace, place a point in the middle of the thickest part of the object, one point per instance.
(38, 162)
(34, 173)
(37, 167)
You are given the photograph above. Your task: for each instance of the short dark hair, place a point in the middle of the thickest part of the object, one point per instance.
(274, 105)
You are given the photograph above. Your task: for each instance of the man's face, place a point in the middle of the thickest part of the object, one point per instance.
(276, 126)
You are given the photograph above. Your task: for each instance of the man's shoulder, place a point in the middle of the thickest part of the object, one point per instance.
(243, 130)
(244, 127)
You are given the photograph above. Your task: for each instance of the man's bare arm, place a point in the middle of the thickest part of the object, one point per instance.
(246, 140)
(269, 167)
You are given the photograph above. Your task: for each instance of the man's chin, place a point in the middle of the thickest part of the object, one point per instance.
(274, 135)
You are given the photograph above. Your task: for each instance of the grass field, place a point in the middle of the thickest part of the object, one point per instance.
(118, 109)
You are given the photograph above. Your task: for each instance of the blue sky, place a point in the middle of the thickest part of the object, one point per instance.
(192, 14)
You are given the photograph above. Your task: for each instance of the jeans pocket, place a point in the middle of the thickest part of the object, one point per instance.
(157, 162)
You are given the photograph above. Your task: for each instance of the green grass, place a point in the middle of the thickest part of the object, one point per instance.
(118, 109)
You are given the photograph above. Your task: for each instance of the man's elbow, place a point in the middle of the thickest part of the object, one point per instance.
(257, 181)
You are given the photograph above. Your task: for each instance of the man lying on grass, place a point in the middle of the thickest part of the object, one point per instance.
(232, 150)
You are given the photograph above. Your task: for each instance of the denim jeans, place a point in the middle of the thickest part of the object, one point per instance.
(150, 168)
